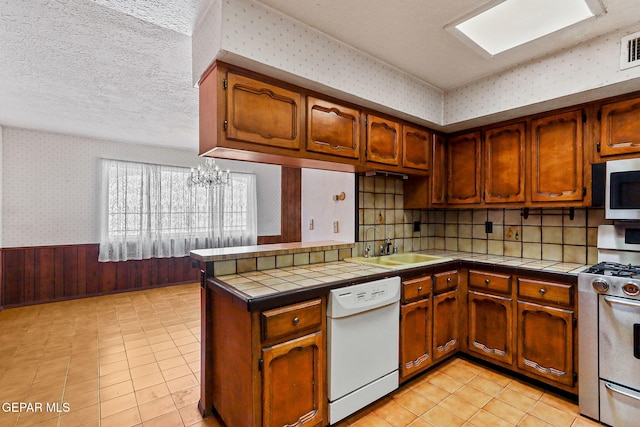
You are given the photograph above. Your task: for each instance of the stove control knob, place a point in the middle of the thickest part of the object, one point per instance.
(600, 285)
(631, 289)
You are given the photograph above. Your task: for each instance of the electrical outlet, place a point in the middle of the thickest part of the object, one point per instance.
(311, 224)
(335, 227)
(488, 227)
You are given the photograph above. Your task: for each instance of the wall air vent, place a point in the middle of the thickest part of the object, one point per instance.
(630, 51)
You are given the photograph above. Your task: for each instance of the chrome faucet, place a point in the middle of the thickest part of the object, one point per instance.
(367, 247)
(387, 247)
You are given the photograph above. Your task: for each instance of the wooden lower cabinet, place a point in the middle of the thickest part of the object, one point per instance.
(264, 368)
(546, 342)
(415, 338)
(446, 333)
(292, 382)
(490, 326)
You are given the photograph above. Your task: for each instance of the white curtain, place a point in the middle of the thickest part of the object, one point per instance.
(149, 211)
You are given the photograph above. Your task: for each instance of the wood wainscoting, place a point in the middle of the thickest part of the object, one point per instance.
(34, 275)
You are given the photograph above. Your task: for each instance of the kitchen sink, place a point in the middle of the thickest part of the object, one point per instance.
(399, 260)
(410, 258)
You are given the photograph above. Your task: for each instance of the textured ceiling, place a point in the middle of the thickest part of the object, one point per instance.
(121, 69)
(76, 66)
(176, 15)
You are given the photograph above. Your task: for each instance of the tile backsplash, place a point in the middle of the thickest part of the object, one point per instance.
(546, 234)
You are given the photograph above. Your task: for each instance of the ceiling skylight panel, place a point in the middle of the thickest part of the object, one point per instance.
(512, 23)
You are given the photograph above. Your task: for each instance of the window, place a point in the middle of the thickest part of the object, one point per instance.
(149, 211)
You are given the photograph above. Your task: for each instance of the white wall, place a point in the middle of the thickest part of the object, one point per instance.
(1, 168)
(584, 73)
(51, 183)
(273, 43)
(318, 189)
(250, 34)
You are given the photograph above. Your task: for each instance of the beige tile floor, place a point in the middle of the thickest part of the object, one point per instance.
(133, 359)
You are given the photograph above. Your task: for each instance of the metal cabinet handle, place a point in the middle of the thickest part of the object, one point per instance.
(486, 281)
(419, 288)
(296, 320)
(448, 279)
(542, 291)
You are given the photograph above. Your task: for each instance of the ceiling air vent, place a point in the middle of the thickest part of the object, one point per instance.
(630, 51)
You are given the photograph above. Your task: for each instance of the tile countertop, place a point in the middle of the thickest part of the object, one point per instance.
(235, 252)
(257, 284)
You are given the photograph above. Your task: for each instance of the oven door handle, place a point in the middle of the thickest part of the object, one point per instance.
(621, 301)
(620, 391)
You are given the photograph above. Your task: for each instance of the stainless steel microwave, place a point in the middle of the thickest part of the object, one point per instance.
(622, 189)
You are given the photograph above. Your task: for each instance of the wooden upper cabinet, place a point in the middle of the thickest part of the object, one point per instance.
(262, 113)
(619, 132)
(463, 159)
(332, 128)
(504, 149)
(557, 158)
(416, 148)
(383, 140)
(439, 171)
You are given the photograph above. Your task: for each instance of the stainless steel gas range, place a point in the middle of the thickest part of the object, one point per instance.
(609, 329)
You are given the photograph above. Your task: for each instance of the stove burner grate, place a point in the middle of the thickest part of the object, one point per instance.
(615, 269)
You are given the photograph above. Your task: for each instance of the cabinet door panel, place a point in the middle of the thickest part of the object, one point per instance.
(262, 113)
(445, 324)
(416, 147)
(619, 128)
(332, 128)
(490, 326)
(439, 171)
(545, 342)
(504, 164)
(415, 337)
(464, 169)
(557, 158)
(293, 383)
(383, 140)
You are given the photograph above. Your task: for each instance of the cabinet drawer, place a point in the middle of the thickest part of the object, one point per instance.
(292, 319)
(490, 281)
(445, 281)
(548, 292)
(416, 288)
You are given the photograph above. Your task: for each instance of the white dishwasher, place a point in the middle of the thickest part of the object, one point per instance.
(362, 345)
